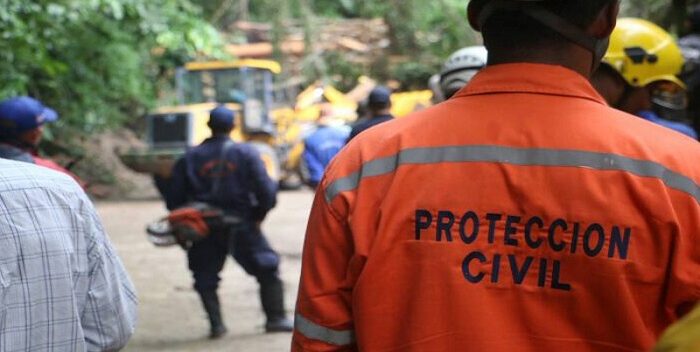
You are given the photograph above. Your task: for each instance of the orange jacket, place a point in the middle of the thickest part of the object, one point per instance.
(521, 215)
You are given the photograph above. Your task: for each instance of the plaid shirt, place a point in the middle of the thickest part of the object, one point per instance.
(62, 286)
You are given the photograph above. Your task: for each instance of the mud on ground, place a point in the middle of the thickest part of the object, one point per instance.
(170, 314)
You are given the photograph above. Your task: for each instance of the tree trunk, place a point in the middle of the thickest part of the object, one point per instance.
(221, 11)
(244, 10)
(313, 53)
(680, 7)
(400, 22)
(279, 31)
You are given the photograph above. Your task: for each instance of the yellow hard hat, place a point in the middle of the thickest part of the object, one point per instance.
(644, 53)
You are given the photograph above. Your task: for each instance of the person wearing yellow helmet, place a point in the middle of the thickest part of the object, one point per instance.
(639, 74)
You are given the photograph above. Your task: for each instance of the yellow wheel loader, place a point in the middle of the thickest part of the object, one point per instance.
(245, 86)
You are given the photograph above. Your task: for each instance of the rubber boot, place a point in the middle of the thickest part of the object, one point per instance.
(210, 301)
(272, 299)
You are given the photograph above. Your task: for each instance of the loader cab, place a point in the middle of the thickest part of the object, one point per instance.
(245, 83)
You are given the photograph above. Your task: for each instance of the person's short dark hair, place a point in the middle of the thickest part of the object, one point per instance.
(513, 29)
(379, 98)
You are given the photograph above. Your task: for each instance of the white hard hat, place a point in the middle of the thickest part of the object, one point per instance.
(461, 67)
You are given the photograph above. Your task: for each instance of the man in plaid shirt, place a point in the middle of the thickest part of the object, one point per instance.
(62, 286)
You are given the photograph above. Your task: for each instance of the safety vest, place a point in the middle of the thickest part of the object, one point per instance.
(521, 215)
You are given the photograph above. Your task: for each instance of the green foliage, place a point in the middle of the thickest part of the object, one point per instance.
(414, 75)
(96, 61)
(422, 31)
(103, 63)
(343, 74)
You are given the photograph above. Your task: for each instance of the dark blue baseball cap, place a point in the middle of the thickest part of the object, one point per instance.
(222, 117)
(21, 114)
(379, 97)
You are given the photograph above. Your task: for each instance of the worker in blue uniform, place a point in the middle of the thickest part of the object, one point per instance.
(379, 106)
(232, 177)
(321, 146)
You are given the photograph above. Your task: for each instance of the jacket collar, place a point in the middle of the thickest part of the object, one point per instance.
(531, 78)
(382, 116)
(217, 138)
(12, 152)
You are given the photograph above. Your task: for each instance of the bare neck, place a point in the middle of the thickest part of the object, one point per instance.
(571, 56)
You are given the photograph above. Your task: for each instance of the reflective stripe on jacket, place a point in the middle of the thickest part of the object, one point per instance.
(522, 214)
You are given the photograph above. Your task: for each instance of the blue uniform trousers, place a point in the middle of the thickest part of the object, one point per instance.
(248, 247)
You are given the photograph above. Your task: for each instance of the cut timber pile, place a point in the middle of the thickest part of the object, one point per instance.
(359, 40)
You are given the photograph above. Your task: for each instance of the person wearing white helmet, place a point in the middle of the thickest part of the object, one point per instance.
(459, 69)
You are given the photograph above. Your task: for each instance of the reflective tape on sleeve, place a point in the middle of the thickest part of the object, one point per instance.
(515, 156)
(322, 333)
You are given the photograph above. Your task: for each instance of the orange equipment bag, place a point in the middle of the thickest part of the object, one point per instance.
(193, 222)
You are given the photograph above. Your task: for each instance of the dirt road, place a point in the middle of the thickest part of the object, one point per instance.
(170, 314)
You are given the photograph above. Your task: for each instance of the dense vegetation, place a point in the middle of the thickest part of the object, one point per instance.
(103, 63)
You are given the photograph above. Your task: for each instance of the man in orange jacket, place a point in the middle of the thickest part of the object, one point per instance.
(523, 214)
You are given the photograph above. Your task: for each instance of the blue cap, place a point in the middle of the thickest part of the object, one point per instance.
(21, 114)
(222, 117)
(379, 97)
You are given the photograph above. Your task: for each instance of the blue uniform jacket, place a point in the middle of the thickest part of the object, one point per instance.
(320, 147)
(245, 188)
(365, 124)
(676, 126)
